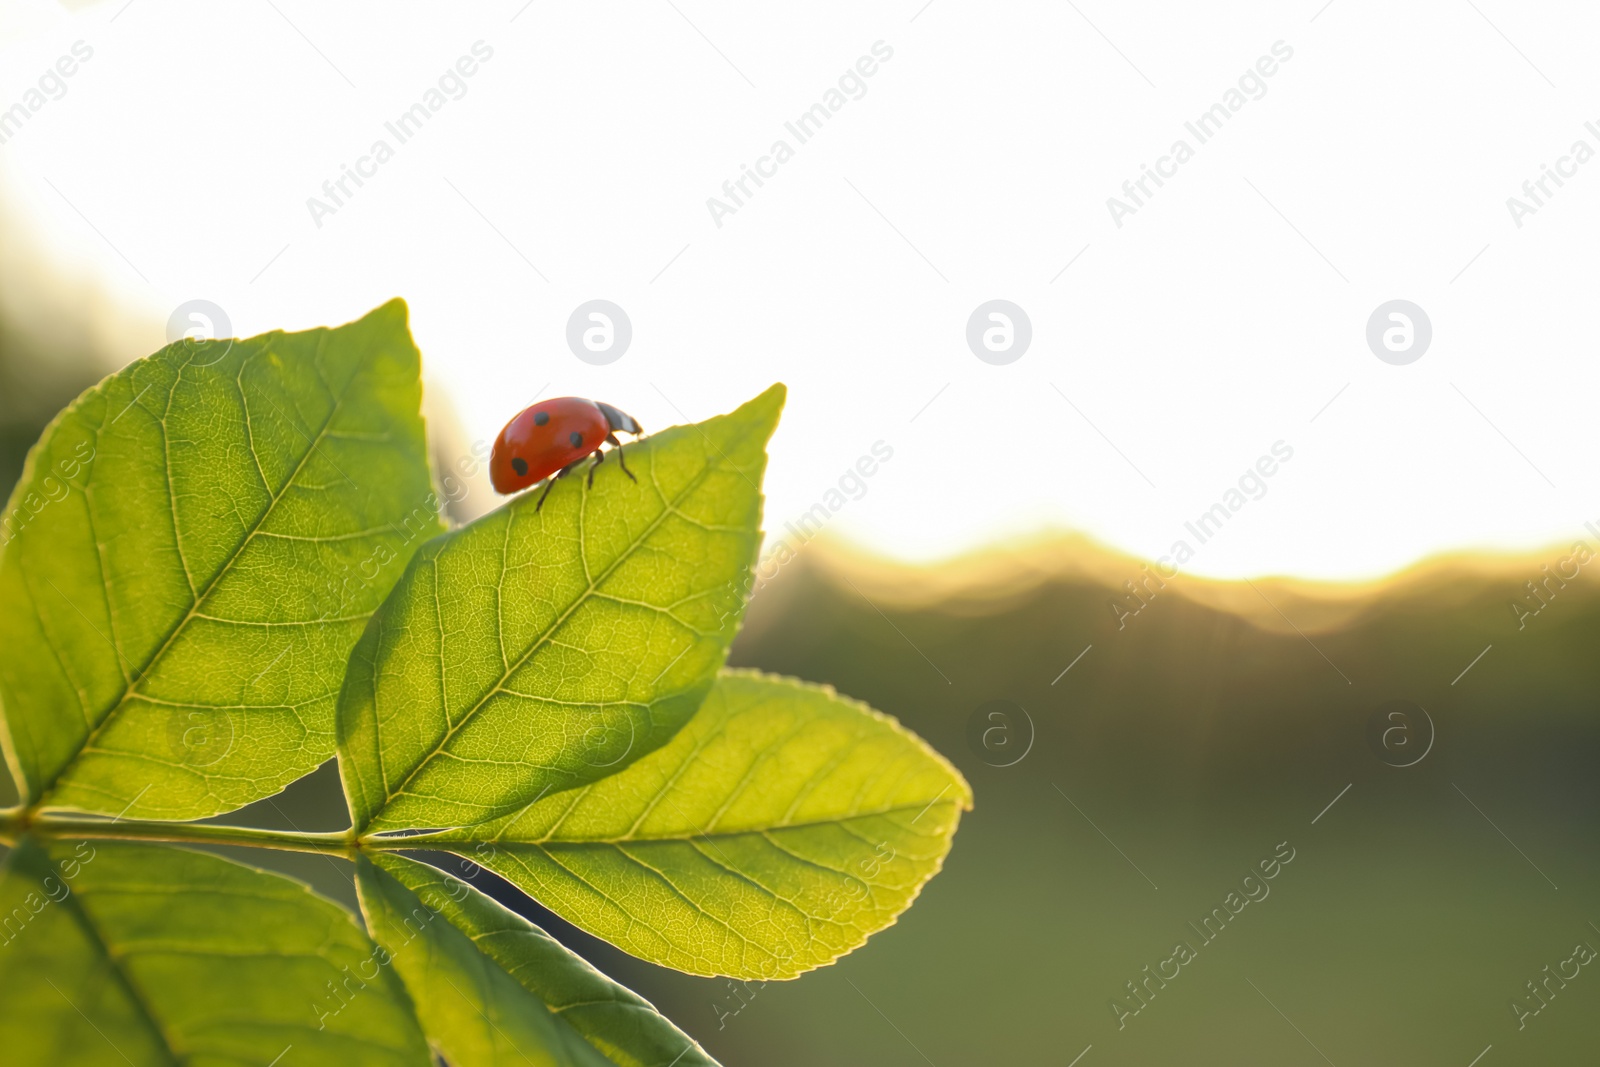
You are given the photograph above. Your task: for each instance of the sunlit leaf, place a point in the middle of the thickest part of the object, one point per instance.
(223, 559)
(125, 955)
(194, 547)
(778, 830)
(493, 989)
(535, 650)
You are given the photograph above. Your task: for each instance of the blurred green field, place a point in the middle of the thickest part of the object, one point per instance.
(1197, 739)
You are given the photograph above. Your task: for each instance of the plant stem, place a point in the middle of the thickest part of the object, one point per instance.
(14, 823)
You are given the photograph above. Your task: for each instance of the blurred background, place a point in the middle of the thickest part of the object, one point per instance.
(1167, 719)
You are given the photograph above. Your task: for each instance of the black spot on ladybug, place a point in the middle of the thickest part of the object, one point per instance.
(519, 465)
(576, 439)
(541, 417)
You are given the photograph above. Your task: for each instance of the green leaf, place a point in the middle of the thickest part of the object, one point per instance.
(196, 543)
(534, 650)
(778, 830)
(119, 954)
(491, 988)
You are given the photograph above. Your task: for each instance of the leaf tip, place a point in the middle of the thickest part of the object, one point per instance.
(394, 308)
(768, 404)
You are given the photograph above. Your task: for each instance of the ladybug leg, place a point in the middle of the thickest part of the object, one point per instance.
(611, 438)
(549, 485)
(599, 458)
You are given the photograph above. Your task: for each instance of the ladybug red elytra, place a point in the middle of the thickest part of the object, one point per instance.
(551, 438)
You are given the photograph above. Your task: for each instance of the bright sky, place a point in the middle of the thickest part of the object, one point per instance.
(1228, 313)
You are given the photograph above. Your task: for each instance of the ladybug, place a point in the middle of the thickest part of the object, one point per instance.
(551, 438)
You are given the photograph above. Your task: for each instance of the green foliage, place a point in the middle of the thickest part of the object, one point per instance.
(782, 826)
(492, 987)
(178, 957)
(536, 650)
(224, 556)
(180, 608)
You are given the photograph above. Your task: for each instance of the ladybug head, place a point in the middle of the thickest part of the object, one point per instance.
(618, 419)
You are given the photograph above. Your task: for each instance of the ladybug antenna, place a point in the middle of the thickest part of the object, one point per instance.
(618, 419)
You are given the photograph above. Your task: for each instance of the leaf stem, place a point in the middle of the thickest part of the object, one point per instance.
(15, 822)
